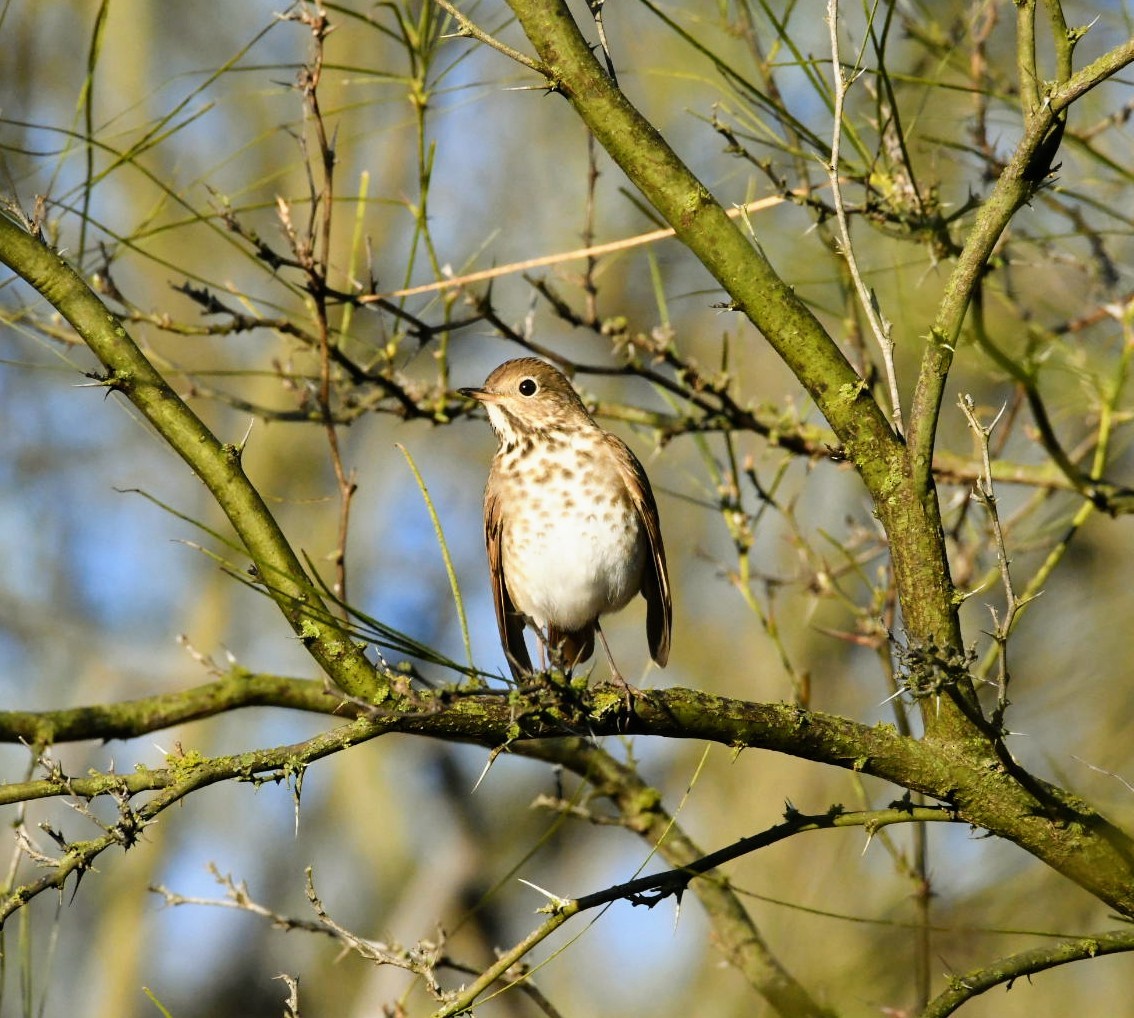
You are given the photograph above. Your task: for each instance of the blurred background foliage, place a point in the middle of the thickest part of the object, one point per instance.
(162, 138)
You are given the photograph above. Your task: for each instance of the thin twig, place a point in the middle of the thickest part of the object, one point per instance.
(596, 7)
(593, 251)
(421, 959)
(656, 887)
(984, 493)
(313, 254)
(450, 571)
(474, 31)
(963, 986)
(879, 325)
(590, 287)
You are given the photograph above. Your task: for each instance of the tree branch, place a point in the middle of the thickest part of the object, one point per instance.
(1050, 823)
(130, 373)
(185, 775)
(1024, 174)
(130, 719)
(972, 984)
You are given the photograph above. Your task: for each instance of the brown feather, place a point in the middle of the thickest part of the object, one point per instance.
(655, 575)
(509, 621)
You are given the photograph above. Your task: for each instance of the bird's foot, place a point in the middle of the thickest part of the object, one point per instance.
(628, 691)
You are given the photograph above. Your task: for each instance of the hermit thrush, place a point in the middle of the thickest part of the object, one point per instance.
(569, 520)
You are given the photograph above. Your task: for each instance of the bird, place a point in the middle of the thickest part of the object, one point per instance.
(571, 526)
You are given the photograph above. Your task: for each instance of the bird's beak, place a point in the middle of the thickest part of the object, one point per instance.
(481, 395)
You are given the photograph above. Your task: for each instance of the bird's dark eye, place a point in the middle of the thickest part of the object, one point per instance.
(528, 387)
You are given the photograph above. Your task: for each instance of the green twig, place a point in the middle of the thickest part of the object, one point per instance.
(438, 530)
(964, 987)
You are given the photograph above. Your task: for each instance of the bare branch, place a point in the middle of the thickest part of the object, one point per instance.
(868, 300)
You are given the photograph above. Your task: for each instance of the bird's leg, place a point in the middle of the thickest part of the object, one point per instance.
(542, 644)
(628, 690)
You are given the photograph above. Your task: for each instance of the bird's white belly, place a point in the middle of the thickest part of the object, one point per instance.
(568, 565)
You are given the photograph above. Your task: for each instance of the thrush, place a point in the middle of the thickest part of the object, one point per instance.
(570, 521)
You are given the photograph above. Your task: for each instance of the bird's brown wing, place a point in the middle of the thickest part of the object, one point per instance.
(509, 621)
(655, 576)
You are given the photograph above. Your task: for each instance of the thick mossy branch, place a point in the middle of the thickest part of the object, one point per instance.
(130, 373)
(1056, 826)
(130, 719)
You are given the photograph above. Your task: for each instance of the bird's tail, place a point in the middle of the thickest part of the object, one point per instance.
(573, 647)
